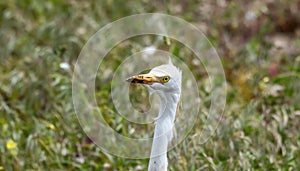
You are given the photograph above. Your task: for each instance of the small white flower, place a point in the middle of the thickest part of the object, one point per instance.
(65, 66)
(138, 167)
(106, 166)
(250, 15)
(80, 159)
(275, 89)
(150, 50)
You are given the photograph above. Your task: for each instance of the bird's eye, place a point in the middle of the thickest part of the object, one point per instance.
(165, 79)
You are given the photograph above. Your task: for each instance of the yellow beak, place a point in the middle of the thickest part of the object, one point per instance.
(143, 79)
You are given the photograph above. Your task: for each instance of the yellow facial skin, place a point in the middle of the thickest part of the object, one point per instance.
(148, 79)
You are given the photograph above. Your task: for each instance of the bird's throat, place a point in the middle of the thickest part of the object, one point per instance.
(168, 106)
(163, 132)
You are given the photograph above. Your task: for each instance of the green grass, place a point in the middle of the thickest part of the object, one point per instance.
(260, 127)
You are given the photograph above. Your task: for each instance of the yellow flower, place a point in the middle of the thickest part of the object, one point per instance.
(266, 79)
(1, 168)
(11, 144)
(48, 125)
(51, 126)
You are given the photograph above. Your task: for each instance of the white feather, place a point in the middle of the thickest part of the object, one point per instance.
(164, 123)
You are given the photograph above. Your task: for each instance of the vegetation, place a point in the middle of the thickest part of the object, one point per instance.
(259, 45)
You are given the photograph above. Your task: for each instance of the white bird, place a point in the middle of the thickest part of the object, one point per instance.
(165, 80)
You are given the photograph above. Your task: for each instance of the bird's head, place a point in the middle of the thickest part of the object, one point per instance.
(165, 78)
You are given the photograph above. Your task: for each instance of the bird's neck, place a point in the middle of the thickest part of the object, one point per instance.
(163, 132)
(168, 106)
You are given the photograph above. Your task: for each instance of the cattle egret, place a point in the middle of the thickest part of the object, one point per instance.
(165, 80)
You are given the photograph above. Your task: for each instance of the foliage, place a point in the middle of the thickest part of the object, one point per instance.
(259, 44)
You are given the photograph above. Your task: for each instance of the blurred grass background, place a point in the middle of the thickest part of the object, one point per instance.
(259, 45)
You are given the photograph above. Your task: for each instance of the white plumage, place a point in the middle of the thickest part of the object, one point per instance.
(165, 80)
